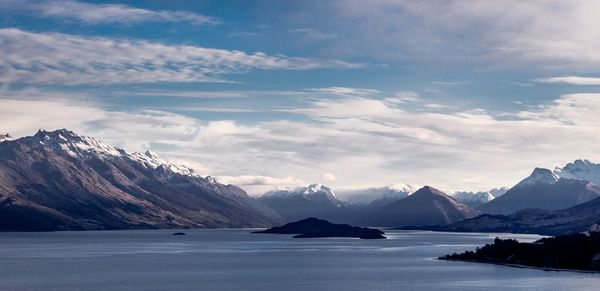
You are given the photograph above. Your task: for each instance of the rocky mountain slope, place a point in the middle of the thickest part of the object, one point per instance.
(62, 181)
(580, 170)
(582, 217)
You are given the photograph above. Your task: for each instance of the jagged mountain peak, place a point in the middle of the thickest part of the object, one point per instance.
(5, 136)
(473, 199)
(78, 146)
(428, 190)
(308, 192)
(539, 176)
(580, 169)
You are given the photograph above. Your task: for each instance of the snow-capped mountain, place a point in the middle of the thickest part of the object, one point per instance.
(365, 195)
(427, 206)
(5, 136)
(473, 199)
(579, 218)
(314, 192)
(59, 180)
(314, 200)
(539, 176)
(543, 190)
(76, 146)
(580, 170)
(497, 192)
(392, 193)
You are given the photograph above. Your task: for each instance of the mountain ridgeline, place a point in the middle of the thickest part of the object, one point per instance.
(62, 181)
(427, 206)
(542, 190)
(59, 180)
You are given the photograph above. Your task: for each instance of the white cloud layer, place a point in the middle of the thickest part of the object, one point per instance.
(363, 141)
(54, 58)
(104, 13)
(553, 34)
(573, 80)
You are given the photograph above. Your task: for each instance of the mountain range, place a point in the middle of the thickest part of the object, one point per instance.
(579, 218)
(542, 190)
(59, 180)
(302, 202)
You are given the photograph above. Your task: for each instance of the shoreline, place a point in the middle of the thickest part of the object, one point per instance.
(524, 266)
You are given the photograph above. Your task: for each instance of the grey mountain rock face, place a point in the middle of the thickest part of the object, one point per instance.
(427, 206)
(579, 218)
(62, 181)
(542, 190)
(580, 170)
(473, 199)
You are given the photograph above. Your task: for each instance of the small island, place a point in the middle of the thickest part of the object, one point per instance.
(316, 228)
(574, 252)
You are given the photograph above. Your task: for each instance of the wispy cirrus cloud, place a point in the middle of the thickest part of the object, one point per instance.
(345, 91)
(55, 58)
(572, 80)
(88, 13)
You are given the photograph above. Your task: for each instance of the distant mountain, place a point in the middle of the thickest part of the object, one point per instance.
(311, 201)
(390, 194)
(580, 170)
(542, 190)
(582, 217)
(62, 181)
(5, 136)
(427, 206)
(364, 196)
(473, 199)
(497, 192)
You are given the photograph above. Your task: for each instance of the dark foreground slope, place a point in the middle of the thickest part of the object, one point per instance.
(62, 181)
(313, 228)
(573, 252)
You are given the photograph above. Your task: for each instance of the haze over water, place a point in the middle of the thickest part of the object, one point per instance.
(238, 260)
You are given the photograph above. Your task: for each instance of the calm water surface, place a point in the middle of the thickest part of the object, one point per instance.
(237, 260)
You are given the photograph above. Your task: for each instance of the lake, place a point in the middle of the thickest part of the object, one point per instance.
(237, 260)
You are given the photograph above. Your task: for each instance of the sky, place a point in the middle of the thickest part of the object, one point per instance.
(459, 95)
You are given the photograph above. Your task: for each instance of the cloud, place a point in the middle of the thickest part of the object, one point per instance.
(257, 185)
(403, 97)
(329, 177)
(105, 13)
(345, 91)
(364, 141)
(366, 194)
(243, 34)
(313, 34)
(551, 34)
(27, 57)
(573, 80)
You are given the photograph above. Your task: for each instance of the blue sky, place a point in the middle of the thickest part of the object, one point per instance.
(460, 95)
